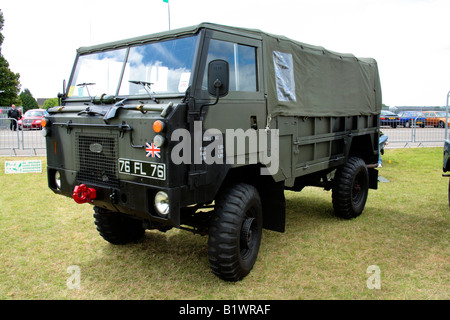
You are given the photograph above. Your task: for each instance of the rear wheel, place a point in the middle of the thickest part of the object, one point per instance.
(235, 232)
(117, 228)
(350, 188)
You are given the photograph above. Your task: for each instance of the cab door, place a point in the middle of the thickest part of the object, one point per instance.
(244, 107)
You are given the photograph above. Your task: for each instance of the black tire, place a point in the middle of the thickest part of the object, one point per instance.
(117, 228)
(350, 189)
(441, 124)
(235, 232)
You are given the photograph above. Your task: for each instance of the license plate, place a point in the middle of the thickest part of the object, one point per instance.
(145, 169)
(391, 118)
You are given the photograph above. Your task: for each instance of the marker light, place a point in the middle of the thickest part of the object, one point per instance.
(158, 126)
(43, 123)
(158, 140)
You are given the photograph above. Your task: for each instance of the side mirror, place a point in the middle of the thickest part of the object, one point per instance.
(62, 96)
(218, 78)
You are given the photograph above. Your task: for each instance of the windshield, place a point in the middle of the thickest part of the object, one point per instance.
(97, 73)
(165, 66)
(34, 113)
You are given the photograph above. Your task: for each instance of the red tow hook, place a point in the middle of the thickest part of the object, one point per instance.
(83, 194)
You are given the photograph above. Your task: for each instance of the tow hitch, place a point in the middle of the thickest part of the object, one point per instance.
(83, 194)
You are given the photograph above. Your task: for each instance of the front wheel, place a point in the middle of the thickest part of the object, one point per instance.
(350, 188)
(235, 232)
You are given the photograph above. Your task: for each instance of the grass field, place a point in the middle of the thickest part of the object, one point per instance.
(404, 231)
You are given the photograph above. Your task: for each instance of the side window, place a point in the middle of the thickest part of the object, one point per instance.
(284, 76)
(242, 62)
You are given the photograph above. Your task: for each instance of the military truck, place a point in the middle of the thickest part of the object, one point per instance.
(204, 128)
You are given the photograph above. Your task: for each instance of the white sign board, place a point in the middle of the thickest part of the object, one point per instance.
(28, 166)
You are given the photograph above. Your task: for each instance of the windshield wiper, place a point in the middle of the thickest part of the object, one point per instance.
(146, 86)
(113, 110)
(93, 111)
(85, 85)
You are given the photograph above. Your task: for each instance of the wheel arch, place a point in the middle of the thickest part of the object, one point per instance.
(365, 147)
(271, 193)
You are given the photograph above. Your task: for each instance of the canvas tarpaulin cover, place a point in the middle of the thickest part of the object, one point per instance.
(304, 80)
(307, 80)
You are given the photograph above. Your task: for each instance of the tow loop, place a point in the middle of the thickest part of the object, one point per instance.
(83, 194)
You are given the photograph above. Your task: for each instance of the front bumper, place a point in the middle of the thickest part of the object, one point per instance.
(128, 197)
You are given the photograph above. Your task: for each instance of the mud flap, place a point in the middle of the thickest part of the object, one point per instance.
(373, 178)
(274, 205)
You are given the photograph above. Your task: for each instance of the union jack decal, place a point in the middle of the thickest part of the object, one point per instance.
(152, 150)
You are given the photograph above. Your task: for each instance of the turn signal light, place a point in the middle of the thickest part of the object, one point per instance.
(158, 126)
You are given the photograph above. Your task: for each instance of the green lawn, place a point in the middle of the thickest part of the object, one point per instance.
(404, 231)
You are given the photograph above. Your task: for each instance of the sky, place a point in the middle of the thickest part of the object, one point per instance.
(410, 39)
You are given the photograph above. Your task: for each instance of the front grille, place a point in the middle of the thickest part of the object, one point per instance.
(96, 159)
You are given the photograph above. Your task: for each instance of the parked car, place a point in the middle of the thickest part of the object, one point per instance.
(32, 119)
(388, 118)
(436, 118)
(408, 118)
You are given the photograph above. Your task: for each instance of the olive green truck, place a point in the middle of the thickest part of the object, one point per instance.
(203, 128)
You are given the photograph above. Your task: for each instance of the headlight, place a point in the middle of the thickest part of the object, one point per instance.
(58, 180)
(162, 203)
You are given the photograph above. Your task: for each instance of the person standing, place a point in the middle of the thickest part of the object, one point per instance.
(382, 142)
(13, 113)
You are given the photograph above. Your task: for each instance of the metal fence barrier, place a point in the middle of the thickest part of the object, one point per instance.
(19, 140)
(414, 135)
(416, 126)
(9, 140)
